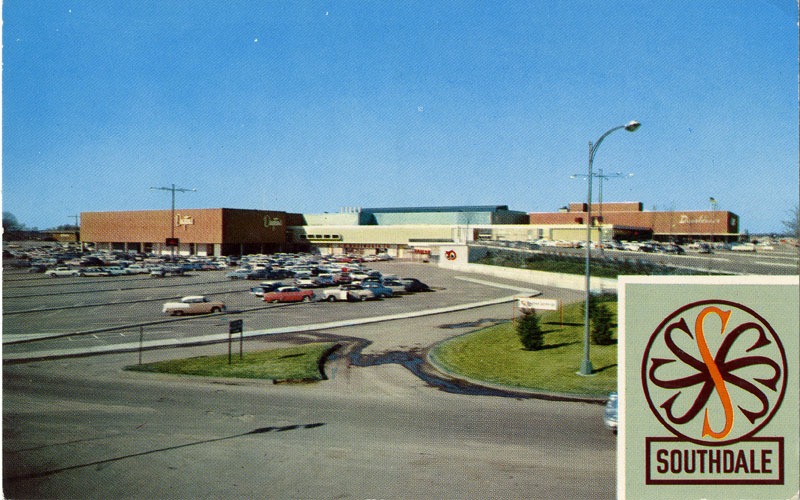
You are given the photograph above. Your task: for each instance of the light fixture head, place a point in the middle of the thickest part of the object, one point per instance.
(632, 126)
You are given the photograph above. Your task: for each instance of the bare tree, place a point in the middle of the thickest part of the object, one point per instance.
(792, 225)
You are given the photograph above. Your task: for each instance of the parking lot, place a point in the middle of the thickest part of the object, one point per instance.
(85, 312)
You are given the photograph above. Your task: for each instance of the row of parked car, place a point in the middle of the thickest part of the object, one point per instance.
(90, 271)
(371, 288)
(274, 292)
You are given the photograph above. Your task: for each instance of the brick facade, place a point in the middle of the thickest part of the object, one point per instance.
(685, 224)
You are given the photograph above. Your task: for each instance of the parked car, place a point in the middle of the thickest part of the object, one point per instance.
(137, 269)
(94, 271)
(257, 274)
(238, 274)
(377, 289)
(61, 271)
(673, 249)
(346, 292)
(372, 279)
(342, 278)
(415, 285)
(93, 262)
(704, 248)
(305, 281)
(160, 272)
(193, 304)
(611, 412)
(358, 276)
(289, 294)
(395, 285)
(743, 247)
(323, 280)
(116, 271)
(614, 245)
(265, 287)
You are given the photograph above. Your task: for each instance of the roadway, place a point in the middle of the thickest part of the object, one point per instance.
(82, 428)
(783, 260)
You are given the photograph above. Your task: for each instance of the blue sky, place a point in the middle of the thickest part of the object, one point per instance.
(312, 106)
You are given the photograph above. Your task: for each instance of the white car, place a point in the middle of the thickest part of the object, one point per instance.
(743, 247)
(94, 271)
(193, 304)
(305, 281)
(346, 292)
(137, 269)
(62, 271)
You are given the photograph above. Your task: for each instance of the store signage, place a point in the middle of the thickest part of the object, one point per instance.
(184, 220)
(709, 394)
(527, 303)
(272, 223)
(701, 219)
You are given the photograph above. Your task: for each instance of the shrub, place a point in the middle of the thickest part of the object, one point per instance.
(529, 331)
(601, 325)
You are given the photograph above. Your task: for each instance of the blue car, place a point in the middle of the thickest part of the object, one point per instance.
(239, 274)
(611, 411)
(377, 289)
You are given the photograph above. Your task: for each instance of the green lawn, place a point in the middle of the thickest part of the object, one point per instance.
(291, 363)
(496, 355)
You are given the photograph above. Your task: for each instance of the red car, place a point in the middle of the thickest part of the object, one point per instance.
(289, 294)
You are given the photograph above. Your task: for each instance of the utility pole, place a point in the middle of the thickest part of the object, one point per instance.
(173, 189)
(77, 229)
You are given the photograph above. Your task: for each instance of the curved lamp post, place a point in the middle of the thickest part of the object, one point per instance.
(586, 364)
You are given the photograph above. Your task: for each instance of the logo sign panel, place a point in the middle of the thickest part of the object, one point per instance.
(272, 222)
(530, 303)
(709, 394)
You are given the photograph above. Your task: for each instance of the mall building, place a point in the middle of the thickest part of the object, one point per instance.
(628, 221)
(400, 232)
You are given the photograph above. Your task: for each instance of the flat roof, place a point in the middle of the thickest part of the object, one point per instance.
(460, 208)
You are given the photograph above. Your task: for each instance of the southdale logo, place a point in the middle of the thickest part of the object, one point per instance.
(714, 374)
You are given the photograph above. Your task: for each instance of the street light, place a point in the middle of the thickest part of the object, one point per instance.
(172, 188)
(632, 126)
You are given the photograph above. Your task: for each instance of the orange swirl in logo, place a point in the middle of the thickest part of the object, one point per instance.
(714, 372)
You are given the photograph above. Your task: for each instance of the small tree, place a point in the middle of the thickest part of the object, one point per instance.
(529, 331)
(601, 325)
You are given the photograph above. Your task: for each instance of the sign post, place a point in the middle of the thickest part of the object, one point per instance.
(235, 326)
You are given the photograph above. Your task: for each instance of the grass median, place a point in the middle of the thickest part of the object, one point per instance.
(496, 355)
(300, 363)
